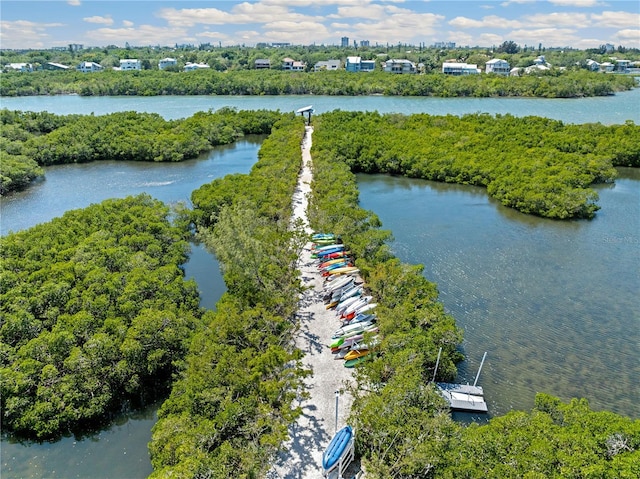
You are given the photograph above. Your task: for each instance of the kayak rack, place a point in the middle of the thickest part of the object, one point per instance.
(338, 470)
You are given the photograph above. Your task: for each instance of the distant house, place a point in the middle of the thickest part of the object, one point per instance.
(130, 64)
(357, 64)
(593, 65)
(189, 67)
(498, 66)
(457, 69)
(622, 66)
(607, 67)
(20, 67)
(290, 64)
(399, 66)
(55, 66)
(88, 67)
(262, 64)
(167, 62)
(536, 67)
(327, 65)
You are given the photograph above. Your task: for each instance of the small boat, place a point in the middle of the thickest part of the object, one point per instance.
(361, 302)
(338, 446)
(338, 284)
(337, 254)
(351, 328)
(356, 353)
(343, 270)
(364, 309)
(352, 363)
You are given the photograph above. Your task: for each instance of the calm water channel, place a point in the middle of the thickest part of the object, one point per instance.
(555, 304)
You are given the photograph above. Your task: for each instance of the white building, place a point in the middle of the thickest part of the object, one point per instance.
(451, 68)
(88, 67)
(195, 66)
(399, 66)
(20, 67)
(498, 66)
(130, 64)
(167, 62)
(290, 64)
(328, 65)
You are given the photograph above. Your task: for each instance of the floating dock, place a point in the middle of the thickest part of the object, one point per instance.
(460, 398)
(463, 397)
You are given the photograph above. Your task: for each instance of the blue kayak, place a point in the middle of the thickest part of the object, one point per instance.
(337, 447)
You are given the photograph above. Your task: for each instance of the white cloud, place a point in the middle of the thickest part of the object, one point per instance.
(19, 33)
(74, 3)
(557, 37)
(244, 13)
(506, 4)
(616, 19)
(140, 35)
(577, 3)
(127, 23)
(99, 20)
(491, 21)
(629, 37)
(559, 19)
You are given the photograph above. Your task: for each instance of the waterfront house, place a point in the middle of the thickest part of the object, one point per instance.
(593, 65)
(130, 64)
(290, 64)
(55, 66)
(457, 69)
(20, 67)
(498, 66)
(622, 66)
(262, 64)
(88, 67)
(357, 64)
(167, 62)
(327, 65)
(606, 67)
(399, 66)
(189, 67)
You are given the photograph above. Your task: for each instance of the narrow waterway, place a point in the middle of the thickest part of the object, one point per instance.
(120, 450)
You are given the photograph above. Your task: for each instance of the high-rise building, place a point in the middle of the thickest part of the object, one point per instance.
(345, 42)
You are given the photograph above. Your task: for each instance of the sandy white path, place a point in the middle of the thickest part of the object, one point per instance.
(311, 434)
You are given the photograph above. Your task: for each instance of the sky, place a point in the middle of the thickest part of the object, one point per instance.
(577, 24)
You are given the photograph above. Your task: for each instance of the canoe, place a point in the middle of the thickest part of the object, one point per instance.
(325, 253)
(332, 261)
(335, 266)
(361, 302)
(364, 309)
(351, 363)
(317, 249)
(340, 282)
(358, 327)
(337, 254)
(343, 270)
(337, 447)
(356, 353)
(346, 303)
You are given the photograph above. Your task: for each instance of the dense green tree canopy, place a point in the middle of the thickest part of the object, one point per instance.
(230, 410)
(535, 165)
(32, 140)
(95, 312)
(550, 84)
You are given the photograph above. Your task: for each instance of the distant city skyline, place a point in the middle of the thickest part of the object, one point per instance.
(581, 24)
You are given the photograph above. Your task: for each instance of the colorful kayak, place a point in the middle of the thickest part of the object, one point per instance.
(355, 354)
(343, 270)
(352, 363)
(337, 447)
